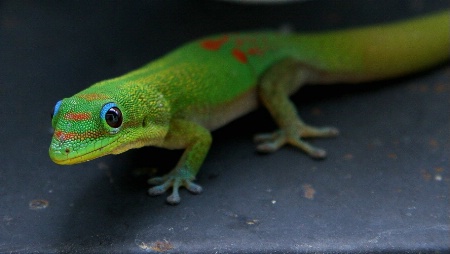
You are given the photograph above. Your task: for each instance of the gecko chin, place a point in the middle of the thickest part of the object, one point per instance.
(65, 161)
(64, 156)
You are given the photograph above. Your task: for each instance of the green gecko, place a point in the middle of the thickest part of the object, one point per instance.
(176, 101)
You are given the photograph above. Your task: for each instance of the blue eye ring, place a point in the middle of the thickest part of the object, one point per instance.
(56, 108)
(112, 115)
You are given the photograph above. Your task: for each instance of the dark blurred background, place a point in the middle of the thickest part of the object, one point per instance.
(384, 186)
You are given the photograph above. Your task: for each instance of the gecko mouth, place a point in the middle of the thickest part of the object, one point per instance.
(61, 156)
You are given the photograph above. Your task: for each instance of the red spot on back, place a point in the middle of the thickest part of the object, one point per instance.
(239, 55)
(77, 116)
(255, 51)
(214, 44)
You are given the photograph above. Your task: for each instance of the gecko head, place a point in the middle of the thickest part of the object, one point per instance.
(90, 125)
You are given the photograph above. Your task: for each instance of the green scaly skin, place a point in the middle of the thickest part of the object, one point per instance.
(175, 101)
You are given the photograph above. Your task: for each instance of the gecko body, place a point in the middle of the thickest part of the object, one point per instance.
(175, 101)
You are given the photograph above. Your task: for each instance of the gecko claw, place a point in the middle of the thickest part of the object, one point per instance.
(166, 182)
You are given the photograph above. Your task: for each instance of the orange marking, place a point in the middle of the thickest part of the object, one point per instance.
(77, 116)
(63, 136)
(216, 44)
(93, 96)
(239, 55)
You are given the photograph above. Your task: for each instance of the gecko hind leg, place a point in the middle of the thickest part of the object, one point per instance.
(274, 89)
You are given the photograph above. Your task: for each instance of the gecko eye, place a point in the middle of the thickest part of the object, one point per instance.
(112, 115)
(56, 109)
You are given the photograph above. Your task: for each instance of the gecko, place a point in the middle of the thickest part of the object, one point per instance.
(174, 102)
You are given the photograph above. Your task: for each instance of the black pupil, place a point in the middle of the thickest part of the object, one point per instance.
(114, 117)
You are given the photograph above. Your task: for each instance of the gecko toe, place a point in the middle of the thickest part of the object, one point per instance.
(318, 153)
(193, 188)
(268, 147)
(174, 198)
(307, 131)
(333, 131)
(312, 151)
(159, 189)
(266, 137)
(269, 142)
(156, 180)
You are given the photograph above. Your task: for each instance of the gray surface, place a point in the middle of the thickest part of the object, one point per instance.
(384, 186)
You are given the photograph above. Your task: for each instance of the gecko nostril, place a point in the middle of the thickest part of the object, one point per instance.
(67, 150)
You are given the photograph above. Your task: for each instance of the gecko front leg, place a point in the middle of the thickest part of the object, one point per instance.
(196, 141)
(273, 89)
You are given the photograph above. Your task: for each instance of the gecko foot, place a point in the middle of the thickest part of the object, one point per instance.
(271, 142)
(165, 182)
